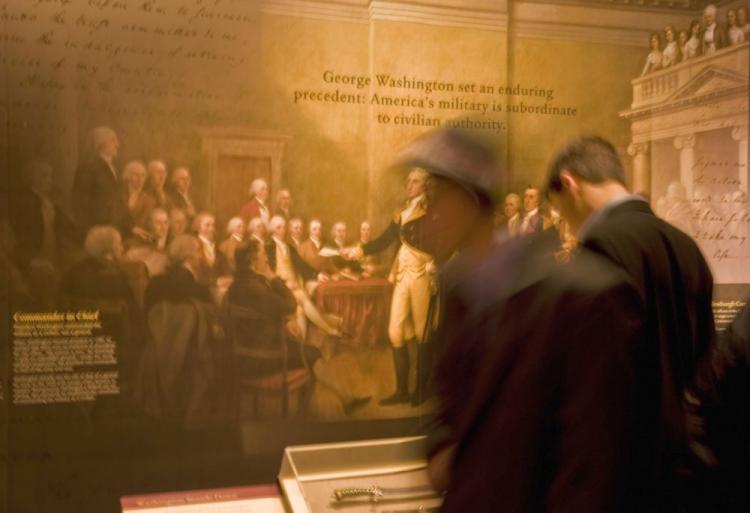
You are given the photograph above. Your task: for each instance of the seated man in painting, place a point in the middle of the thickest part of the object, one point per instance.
(310, 249)
(178, 195)
(235, 236)
(178, 222)
(296, 232)
(258, 288)
(215, 270)
(287, 265)
(180, 283)
(179, 379)
(256, 229)
(104, 280)
(346, 269)
(152, 249)
(99, 276)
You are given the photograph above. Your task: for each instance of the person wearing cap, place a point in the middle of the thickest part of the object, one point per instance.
(413, 275)
(538, 394)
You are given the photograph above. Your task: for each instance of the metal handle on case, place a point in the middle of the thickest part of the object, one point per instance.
(342, 494)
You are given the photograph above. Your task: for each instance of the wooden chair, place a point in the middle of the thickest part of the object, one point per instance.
(248, 343)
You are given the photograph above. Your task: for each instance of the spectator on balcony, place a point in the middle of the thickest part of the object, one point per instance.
(682, 40)
(693, 45)
(742, 22)
(734, 32)
(671, 54)
(714, 38)
(653, 61)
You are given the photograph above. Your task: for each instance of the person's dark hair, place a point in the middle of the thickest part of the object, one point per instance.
(246, 253)
(591, 158)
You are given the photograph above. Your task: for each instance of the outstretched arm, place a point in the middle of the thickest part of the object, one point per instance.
(383, 241)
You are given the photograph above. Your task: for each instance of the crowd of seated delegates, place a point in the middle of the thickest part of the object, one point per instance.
(527, 216)
(137, 226)
(702, 38)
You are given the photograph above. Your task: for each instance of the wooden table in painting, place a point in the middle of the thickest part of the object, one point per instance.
(364, 306)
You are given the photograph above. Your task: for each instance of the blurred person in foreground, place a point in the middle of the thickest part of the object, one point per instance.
(721, 437)
(534, 405)
(586, 182)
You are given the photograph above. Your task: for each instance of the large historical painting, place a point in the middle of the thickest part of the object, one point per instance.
(146, 142)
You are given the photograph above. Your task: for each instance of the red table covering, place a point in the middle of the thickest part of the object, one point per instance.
(364, 305)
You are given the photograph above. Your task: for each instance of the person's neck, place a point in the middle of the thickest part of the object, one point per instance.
(415, 199)
(598, 196)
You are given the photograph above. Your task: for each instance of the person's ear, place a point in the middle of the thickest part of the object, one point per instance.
(569, 181)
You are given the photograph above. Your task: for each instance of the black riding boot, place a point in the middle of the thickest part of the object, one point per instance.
(401, 365)
(424, 369)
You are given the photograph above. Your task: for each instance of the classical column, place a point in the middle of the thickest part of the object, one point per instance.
(641, 168)
(686, 145)
(739, 134)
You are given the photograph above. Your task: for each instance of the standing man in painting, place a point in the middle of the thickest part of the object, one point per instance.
(587, 183)
(414, 276)
(179, 193)
(532, 222)
(257, 206)
(96, 191)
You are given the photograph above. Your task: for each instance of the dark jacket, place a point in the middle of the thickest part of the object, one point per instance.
(98, 279)
(270, 298)
(97, 198)
(177, 285)
(542, 405)
(675, 286)
(415, 232)
(28, 226)
(725, 421)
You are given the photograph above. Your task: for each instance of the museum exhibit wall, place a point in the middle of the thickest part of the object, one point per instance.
(321, 96)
